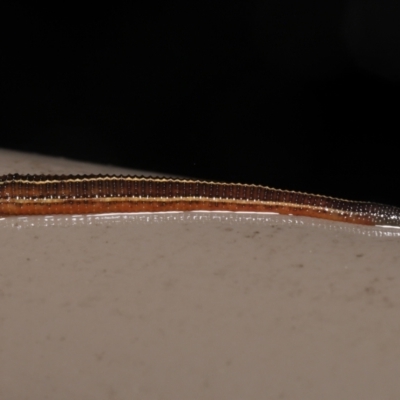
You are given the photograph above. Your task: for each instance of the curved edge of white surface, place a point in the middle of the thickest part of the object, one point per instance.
(20, 222)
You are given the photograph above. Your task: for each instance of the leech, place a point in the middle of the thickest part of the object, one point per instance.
(96, 194)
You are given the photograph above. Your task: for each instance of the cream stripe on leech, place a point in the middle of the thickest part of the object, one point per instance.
(172, 199)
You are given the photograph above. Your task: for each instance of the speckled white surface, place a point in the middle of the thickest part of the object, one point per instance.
(195, 305)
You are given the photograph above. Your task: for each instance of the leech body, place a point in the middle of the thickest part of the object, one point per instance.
(96, 194)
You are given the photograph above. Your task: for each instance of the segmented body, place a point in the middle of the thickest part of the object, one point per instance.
(92, 194)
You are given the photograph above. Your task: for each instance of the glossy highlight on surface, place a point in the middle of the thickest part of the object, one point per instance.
(96, 194)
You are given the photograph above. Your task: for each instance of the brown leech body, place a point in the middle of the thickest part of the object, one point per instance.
(93, 194)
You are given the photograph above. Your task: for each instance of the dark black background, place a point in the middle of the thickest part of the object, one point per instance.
(300, 95)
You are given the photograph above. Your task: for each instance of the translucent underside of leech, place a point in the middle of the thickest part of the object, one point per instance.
(96, 194)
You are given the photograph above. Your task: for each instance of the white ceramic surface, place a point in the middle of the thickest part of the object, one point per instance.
(194, 305)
